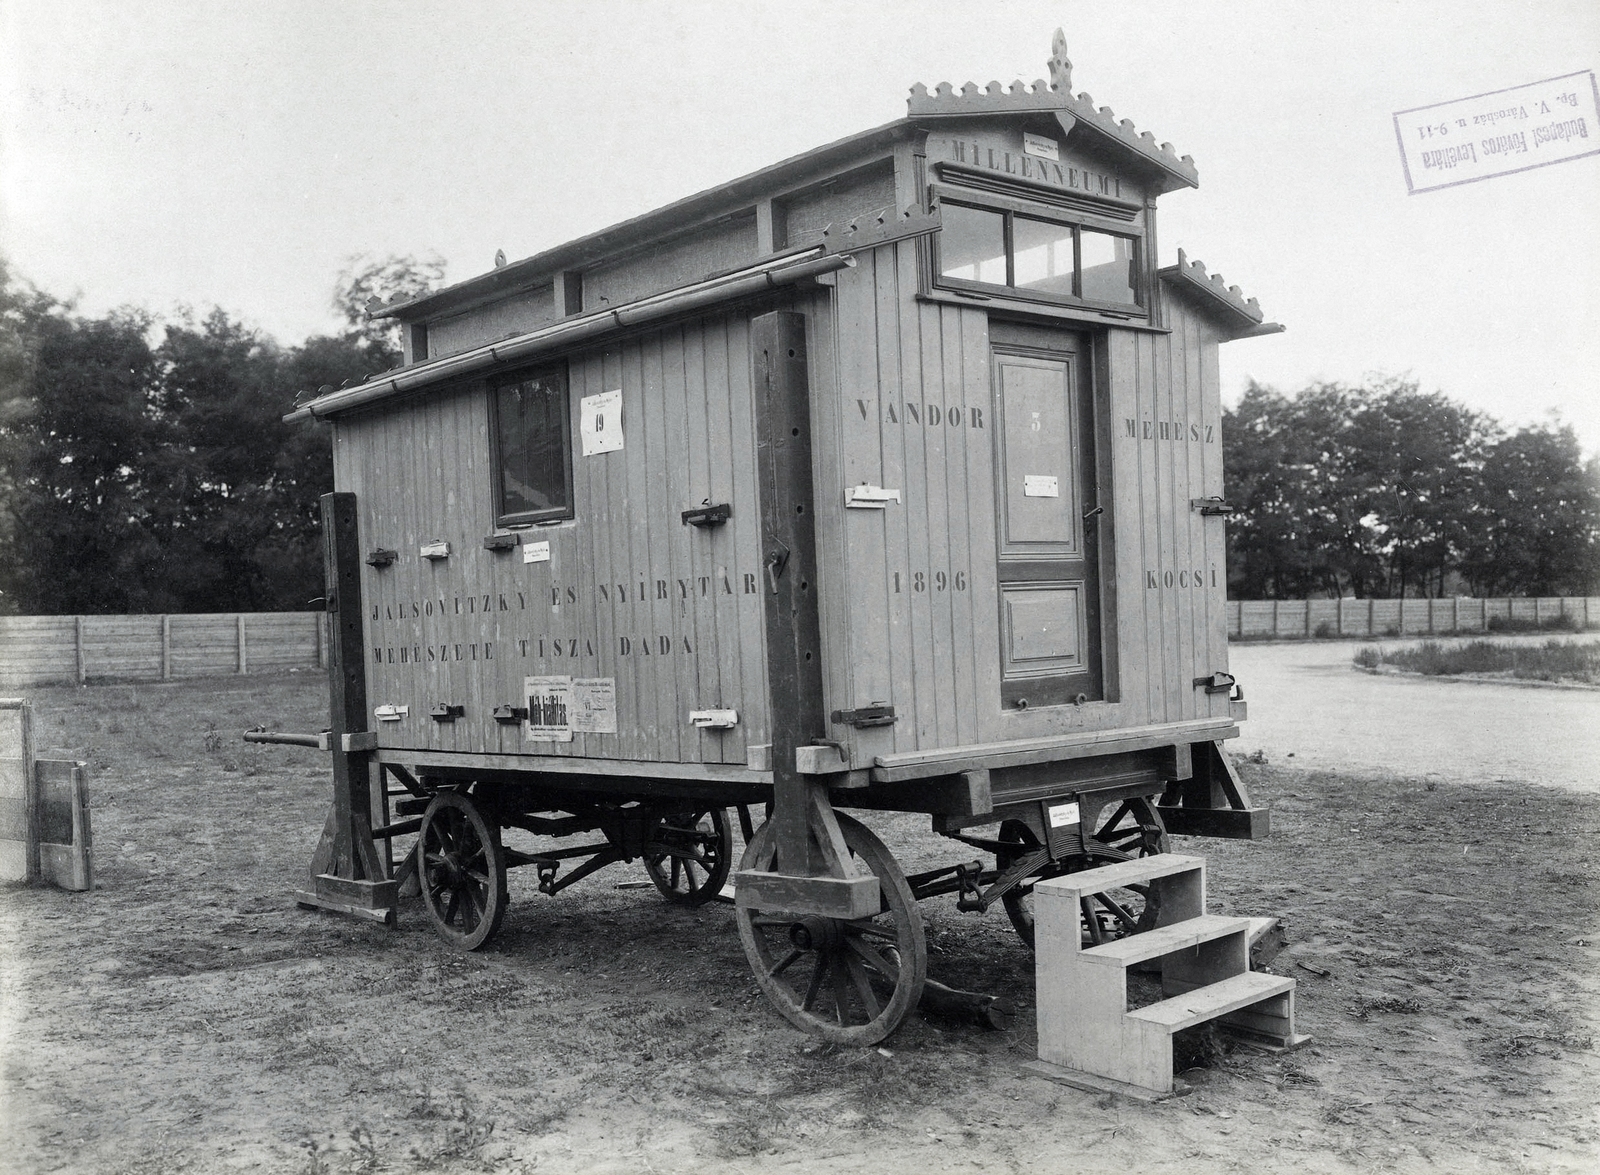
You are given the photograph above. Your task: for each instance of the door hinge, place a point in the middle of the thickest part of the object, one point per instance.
(1217, 683)
(874, 715)
(1212, 506)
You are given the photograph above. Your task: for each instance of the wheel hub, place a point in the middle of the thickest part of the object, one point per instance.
(815, 934)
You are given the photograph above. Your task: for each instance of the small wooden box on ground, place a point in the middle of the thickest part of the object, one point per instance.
(44, 809)
(886, 477)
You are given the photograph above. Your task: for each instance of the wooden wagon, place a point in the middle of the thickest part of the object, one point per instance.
(887, 477)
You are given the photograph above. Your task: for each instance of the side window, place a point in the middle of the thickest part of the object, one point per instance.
(532, 446)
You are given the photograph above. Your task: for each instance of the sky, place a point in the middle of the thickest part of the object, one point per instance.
(191, 153)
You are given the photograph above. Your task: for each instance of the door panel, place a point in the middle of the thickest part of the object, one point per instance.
(1046, 550)
(1037, 486)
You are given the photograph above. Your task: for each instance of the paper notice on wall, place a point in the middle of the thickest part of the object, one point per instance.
(549, 709)
(536, 552)
(1040, 485)
(600, 422)
(594, 705)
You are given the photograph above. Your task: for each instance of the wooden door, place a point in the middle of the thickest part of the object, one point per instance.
(1047, 506)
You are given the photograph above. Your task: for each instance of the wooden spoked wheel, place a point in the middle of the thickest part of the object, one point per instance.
(850, 981)
(1123, 832)
(462, 870)
(689, 854)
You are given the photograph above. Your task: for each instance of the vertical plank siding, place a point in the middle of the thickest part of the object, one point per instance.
(671, 613)
(902, 364)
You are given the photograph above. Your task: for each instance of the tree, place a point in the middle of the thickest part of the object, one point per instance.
(84, 515)
(1415, 457)
(367, 282)
(1370, 490)
(152, 479)
(1536, 530)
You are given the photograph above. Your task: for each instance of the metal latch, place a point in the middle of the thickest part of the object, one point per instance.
(869, 497)
(500, 542)
(444, 712)
(381, 557)
(388, 713)
(434, 549)
(708, 515)
(510, 715)
(1212, 506)
(1217, 683)
(877, 714)
(777, 560)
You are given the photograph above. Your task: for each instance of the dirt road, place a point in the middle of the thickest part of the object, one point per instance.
(186, 1019)
(1306, 700)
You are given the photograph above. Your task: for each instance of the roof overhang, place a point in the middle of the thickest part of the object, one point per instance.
(1240, 317)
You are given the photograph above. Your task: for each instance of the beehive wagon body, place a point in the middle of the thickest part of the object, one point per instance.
(916, 506)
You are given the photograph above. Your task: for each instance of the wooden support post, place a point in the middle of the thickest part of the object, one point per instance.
(811, 870)
(244, 663)
(166, 647)
(769, 228)
(1340, 614)
(19, 796)
(347, 874)
(319, 619)
(1455, 613)
(1370, 625)
(1275, 618)
(77, 633)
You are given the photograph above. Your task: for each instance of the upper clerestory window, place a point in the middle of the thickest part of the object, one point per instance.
(1038, 258)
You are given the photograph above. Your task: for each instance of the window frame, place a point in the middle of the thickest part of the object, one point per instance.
(1139, 306)
(496, 457)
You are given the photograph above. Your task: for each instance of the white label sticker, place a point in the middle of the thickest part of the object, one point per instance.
(594, 705)
(600, 422)
(549, 709)
(1042, 147)
(1040, 485)
(536, 552)
(1063, 815)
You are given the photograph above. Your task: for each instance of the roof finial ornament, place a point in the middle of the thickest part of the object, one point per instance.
(1060, 64)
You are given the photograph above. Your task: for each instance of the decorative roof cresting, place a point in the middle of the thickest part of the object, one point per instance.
(1060, 64)
(1056, 96)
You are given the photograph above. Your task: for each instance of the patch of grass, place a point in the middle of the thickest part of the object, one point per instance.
(1560, 623)
(1554, 660)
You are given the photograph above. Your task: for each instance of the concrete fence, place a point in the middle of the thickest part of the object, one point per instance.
(1307, 618)
(38, 650)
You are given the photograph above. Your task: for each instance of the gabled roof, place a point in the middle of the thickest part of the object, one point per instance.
(1167, 170)
(1241, 316)
(1055, 97)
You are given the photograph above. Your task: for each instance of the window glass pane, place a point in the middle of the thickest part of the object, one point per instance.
(972, 245)
(1108, 268)
(1044, 255)
(531, 421)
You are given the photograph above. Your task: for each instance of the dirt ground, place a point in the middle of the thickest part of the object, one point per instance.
(187, 1017)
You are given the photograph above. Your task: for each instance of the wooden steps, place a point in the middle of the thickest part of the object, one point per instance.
(1213, 1000)
(1164, 940)
(1088, 1037)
